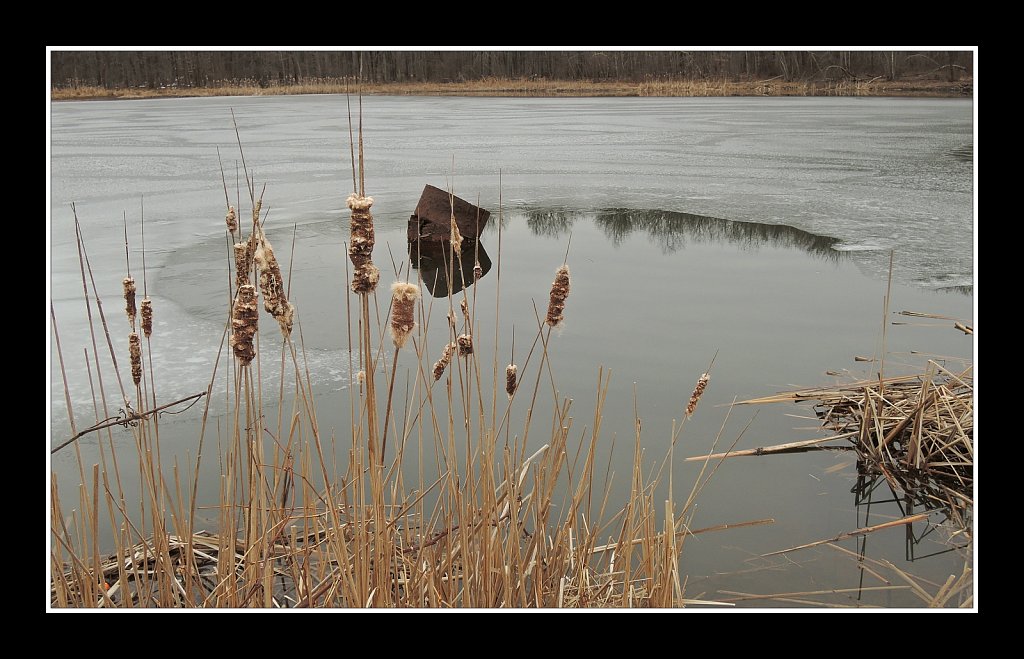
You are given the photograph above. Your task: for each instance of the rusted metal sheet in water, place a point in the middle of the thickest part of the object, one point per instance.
(432, 218)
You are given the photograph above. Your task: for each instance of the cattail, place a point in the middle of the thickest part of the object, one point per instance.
(360, 247)
(244, 323)
(698, 391)
(256, 211)
(361, 378)
(243, 262)
(478, 272)
(446, 358)
(465, 342)
(272, 286)
(465, 308)
(451, 319)
(456, 236)
(147, 316)
(403, 308)
(510, 379)
(129, 299)
(559, 291)
(231, 219)
(135, 352)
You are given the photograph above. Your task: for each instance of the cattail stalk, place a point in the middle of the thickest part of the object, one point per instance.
(559, 291)
(135, 354)
(244, 323)
(446, 358)
(698, 391)
(456, 235)
(129, 299)
(275, 301)
(510, 379)
(403, 308)
(147, 316)
(360, 247)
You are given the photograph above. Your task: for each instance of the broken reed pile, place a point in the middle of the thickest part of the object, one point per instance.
(916, 431)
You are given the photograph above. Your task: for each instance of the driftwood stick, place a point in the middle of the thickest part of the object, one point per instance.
(853, 534)
(764, 450)
(131, 417)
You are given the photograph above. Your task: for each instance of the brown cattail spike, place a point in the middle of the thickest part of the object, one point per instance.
(446, 358)
(272, 286)
(147, 317)
(360, 246)
(510, 380)
(129, 299)
(243, 263)
(465, 342)
(478, 272)
(256, 211)
(244, 323)
(559, 291)
(231, 219)
(403, 311)
(465, 308)
(698, 391)
(135, 353)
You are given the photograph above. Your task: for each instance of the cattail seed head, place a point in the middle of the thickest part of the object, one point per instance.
(244, 323)
(147, 317)
(243, 262)
(360, 246)
(256, 211)
(403, 311)
(272, 286)
(478, 272)
(465, 308)
(231, 219)
(446, 358)
(465, 342)
(559, 291)
(361, 378)
(510, 379)
(135, 353)
(129, 299)
(698, 391)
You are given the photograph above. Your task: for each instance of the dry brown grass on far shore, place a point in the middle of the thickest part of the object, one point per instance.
(543, 87)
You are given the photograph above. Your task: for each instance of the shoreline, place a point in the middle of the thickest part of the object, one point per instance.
(544, 88)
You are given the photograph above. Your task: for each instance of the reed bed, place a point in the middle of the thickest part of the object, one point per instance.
(916, 431)
(427, 499)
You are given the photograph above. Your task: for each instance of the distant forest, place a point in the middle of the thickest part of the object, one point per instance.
(192, 69)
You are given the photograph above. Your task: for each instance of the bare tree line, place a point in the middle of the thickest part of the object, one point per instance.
(153, 69)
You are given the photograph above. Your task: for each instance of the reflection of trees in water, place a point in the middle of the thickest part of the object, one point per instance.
(963, 290)
(672, 230)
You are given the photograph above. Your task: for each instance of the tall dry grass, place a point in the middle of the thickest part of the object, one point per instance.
(429, 499)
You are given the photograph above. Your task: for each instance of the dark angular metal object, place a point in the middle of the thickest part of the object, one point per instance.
(431, 221)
